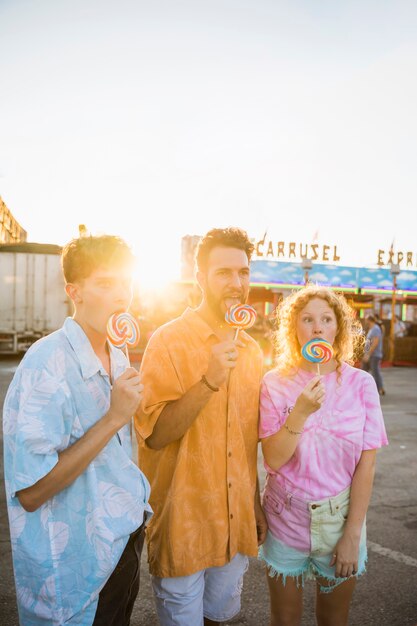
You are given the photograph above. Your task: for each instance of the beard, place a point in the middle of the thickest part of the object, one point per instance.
(217, 304)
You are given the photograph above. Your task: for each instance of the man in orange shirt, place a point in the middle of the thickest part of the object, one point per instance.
(198, 437)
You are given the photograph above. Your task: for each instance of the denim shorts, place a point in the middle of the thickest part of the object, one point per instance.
(323, 520)
(213, 593)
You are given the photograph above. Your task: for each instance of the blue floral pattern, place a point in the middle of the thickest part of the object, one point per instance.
(64, 552)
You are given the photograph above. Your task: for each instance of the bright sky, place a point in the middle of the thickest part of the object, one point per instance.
(153, 120)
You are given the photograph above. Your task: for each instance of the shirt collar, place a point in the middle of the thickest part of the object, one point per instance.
(89, 362)
(200, 326)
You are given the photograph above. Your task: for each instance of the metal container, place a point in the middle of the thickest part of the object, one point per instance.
(33, 302)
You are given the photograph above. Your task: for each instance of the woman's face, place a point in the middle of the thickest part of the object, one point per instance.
(316, 320)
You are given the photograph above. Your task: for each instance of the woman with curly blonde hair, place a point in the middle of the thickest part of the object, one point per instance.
(349, 340)
(319, 433)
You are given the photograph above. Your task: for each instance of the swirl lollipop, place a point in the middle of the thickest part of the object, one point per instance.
(240, 317)
(317, 351)
(123, 330)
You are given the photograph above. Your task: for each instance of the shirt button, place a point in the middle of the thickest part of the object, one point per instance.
(315, 506)
(231, 515)
(230, 454)
(230, 484)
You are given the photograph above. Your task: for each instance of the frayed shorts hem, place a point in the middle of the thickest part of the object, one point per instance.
(308, 572)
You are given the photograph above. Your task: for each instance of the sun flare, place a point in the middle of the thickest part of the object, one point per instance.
(155, 274)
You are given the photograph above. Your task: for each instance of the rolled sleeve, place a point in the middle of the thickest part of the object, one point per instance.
(271, 414)
(374, 434)
(161, 385)
(36, 406)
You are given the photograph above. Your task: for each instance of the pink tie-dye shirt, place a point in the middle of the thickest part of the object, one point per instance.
(349, 421)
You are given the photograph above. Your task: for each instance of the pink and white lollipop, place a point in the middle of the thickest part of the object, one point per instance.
(123, 330)
(240, 317)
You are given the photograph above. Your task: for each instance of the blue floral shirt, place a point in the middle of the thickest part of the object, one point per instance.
(64, 552)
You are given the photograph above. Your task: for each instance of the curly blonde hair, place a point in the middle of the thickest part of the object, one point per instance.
(349, 341)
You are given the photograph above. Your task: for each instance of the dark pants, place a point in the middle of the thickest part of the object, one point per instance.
(116, 599)
(375, 367)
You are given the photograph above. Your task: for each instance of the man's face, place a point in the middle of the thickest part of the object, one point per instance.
(226, 279)
(104, 292)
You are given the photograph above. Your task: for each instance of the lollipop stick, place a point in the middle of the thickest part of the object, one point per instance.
(236, 334)
(127, 355)
(318, 369)
(134, 441)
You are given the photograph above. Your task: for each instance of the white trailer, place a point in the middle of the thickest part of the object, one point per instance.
(33, 302)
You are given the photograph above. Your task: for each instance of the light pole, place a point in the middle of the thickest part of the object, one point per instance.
(394, 270)
(306, 264)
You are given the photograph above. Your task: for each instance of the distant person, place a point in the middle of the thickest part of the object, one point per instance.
(373, 352)
(76, 501)
(198, 436)
(400, 329)
(319, 434)
(380, 323)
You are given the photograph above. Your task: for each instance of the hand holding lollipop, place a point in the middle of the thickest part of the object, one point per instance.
(240, 317)
(123, 330)
(317, 351)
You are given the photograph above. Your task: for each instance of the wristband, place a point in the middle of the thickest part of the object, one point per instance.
(207, 384)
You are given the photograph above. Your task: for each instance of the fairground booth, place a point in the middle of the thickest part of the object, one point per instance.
(389, 288)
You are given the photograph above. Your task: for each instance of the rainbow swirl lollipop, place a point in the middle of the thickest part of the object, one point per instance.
(123, 330)
(240, 316)
(317, 351)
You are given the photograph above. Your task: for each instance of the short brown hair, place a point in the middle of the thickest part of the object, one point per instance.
(80, 257)
(226, 237)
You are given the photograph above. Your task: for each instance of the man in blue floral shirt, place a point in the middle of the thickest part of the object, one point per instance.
(76, 501)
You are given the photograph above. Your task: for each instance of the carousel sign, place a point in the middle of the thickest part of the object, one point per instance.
(292, 250)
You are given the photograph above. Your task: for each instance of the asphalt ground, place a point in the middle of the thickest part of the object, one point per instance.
(385, 596)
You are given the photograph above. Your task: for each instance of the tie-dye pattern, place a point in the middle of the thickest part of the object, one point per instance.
(349, 421)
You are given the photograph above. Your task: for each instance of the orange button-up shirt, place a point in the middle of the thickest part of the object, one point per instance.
(203, 485)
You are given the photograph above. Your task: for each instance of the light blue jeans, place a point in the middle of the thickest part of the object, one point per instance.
(213, 593)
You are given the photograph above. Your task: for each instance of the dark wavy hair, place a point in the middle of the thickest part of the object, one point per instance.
(227, 237)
